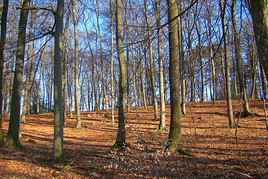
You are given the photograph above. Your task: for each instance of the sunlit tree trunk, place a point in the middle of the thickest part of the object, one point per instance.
(27, 86)
(202, 91)
(112, 60)
(64, 64)
(103, 80)
(121, 133)
(162, 124)
(58, 109)
(227, 68)
(2, 48)
(76, 68)
(239, 63)
(174, 137)
(152, 64)
(182, 61)
(14, 124)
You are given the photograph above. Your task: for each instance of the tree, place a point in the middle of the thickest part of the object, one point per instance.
(174, 137)
(121, 133)
(112, 59)
(14, 124)
(2, 48)
(58, 108)
(258, 11)
(28, 74)
(239, 63)
(76, 68)
(152, 64)
(162, 124)
(227, 67)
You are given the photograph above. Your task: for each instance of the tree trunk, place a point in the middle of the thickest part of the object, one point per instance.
(58, 109)
(174, 137)
(112, 61)
(64, 64)
(26, 98)
(2, 61)
(152, 64)
(258, 11)
(14, 125)
(162, 124)
(121, 133)
(239, 63)
(76, 68)
(227, 68)
(182, 60)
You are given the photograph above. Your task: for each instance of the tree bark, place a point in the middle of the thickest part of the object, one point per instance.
(162, 124)
(152, 64)
(2, 61)
(174, 137)
(239, 63)
(58, 109)
(112, 61)
(14, 125)
(258, 11)
(76, 68)
(121, 133)
(227, 68)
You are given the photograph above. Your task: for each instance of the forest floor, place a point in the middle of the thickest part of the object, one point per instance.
(216, 152)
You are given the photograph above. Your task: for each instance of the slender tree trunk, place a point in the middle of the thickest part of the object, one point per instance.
(162, 124)
(26, 99)
(103, 84)
(263, 81)
(14, 124)
(76, 68)
(152, 64)
(2, 48)
(58, 109)
(174, 137)
(64, 64)
(227, 68)
(252, 59)
(112, 60)
(143, 93)
(121, 133)
(239, 63)
(202, 94)
(182, 60)
(70, 95)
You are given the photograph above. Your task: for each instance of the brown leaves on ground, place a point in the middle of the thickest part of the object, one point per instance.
(215, 152)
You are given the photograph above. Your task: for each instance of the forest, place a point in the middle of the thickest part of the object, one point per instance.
(133, 89)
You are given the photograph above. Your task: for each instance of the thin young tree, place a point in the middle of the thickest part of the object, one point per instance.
(76, 68)
(162, 124)
(174, 137)
(14, 124)
(239, 63)
(2, 48)
(112, 59)
(58, 108)
(227, 66)
(152, 64)
(121, 133)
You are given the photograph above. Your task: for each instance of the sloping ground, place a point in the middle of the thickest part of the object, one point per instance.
(216, 151)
